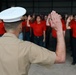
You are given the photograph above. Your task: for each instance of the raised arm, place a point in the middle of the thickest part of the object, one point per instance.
(40, 55)
(67, 23)
(28, 21)
(47, 21)
(44, 36)
(57, 25)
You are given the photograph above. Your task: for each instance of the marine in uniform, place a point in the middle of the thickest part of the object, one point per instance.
(16, 55)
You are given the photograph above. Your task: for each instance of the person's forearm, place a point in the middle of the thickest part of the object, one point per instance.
(28, 24)
(67, 25)
(44, 36)
(60, 50)
(57, 25)
(64, 33)
(47, 22)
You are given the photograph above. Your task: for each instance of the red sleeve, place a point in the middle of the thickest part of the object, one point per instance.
(24, 24)
(32, 25)
(44, 28)
(71, 23)
(44, 22)
(44, 25)
(63, 25)
(71, 26)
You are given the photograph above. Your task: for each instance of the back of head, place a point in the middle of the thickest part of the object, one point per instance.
(11, 26)
(12, 17)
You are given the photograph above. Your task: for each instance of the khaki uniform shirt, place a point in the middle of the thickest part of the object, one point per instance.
(16, 56)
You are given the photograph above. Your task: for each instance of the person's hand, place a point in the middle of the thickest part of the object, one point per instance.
(69, 19)
(49, 16)
(55, 21)
(29, 17)
(44, 40)
(22, 18)
(48, 20)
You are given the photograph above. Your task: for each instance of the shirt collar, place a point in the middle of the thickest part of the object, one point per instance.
(9, 35)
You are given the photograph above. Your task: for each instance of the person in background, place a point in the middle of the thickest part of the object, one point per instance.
(48, 30)
(21, 33)
(44, 23)
(16, 56)
(71, 24)
(45, 17)
(38, 30)
(66, 16)
(2, 28)
(70, 30)
(54, 35)
(25, 29)
(32, 20)
(33, 17)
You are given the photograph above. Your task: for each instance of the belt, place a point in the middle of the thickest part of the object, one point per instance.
(38, 36)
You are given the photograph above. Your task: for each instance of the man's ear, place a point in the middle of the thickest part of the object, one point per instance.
(20, 27)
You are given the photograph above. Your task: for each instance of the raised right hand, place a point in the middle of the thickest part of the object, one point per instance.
(29, 17)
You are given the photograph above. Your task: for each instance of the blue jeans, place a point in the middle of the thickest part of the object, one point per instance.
(39, 40)
(27, 36)
(1, 35)
(54, 43)
(74, 49)
(21, 36)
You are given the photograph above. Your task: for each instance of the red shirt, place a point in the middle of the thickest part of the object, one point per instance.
(2, 29)
(72, 21)
(73, 27)
(38, 28)
(54, 31)
(44, 23)
(25, 27)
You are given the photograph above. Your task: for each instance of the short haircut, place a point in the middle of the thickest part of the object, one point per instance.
(11, 25)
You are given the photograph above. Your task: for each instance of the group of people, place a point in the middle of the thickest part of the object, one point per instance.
(41, 29)
(37, 29)
(16, 56)
(34, 29)
(71, 24)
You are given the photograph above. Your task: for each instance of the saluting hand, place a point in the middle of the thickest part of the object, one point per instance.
(69, 19)
(29, 17)
(55, 21)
